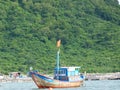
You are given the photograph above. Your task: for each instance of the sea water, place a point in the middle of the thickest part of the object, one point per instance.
(88, 85)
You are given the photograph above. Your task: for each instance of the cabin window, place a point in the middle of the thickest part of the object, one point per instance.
(60, 72)
(76, 72)
(68, 73)
(77, 69)
(71, 73)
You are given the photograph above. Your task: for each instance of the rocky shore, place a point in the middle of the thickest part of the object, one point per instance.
(8, 79)
(88, 76)
(103, 76)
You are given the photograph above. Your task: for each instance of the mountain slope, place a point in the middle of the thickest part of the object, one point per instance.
(89, 31)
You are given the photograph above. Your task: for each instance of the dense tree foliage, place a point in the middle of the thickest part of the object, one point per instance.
(89, 31)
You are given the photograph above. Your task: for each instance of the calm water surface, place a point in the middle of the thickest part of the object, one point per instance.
(89, 85)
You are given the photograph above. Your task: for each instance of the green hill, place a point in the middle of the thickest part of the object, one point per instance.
(89, 31)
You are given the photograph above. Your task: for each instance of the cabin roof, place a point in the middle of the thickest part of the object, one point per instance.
(69, 68)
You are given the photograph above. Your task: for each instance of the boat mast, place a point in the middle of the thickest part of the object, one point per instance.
(58, 58)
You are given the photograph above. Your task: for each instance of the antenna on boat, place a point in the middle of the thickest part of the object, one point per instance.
(58, 57)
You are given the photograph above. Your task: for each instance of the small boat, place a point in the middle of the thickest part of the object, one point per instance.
(64, 77)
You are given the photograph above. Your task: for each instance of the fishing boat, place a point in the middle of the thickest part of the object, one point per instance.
(64, 77)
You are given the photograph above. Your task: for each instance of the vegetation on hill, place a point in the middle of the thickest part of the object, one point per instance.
(89, 31)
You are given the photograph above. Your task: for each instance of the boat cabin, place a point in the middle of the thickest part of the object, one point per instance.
(67, 73)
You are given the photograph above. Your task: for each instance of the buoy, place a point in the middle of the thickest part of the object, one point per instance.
(50, 88)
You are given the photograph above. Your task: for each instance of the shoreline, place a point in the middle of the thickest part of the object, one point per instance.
(88, 76)
(25, 79)
(103, 76)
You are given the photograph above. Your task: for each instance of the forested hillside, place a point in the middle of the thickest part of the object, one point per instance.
(89, 31)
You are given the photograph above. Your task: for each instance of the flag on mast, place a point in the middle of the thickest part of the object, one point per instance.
(58, 43)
